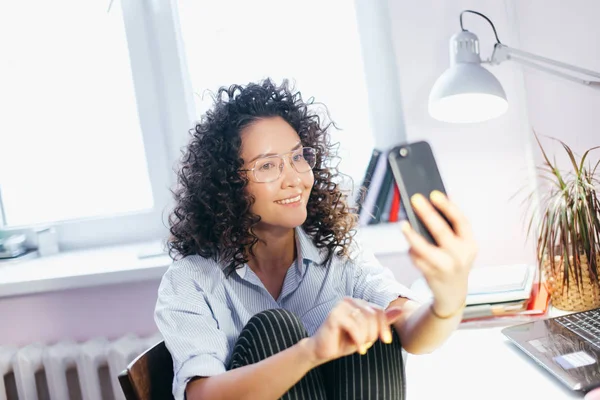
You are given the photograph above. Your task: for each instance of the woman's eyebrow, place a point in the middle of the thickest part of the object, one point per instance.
(296, 147)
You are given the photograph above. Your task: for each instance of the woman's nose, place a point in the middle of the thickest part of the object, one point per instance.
(291, 177)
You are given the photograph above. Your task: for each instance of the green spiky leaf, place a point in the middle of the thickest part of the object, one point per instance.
(569, 227)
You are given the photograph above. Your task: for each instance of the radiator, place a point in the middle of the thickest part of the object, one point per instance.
(68, 370)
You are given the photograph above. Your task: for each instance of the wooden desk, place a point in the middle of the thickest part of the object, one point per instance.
(480, 363)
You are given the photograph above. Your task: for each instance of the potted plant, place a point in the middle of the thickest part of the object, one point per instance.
(568, 232)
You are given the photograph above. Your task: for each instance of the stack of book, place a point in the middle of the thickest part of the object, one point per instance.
(500, 291)
(378, 199)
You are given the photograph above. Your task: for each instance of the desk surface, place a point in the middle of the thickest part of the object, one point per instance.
(480, 363)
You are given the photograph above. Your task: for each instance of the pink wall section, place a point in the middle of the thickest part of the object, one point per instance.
(79, 314)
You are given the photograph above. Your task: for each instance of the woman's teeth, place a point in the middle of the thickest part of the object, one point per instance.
(288, 201)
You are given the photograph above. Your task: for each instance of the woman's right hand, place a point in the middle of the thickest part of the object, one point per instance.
(353, 325)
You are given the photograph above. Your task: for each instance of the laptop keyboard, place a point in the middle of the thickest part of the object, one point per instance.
(585, 324)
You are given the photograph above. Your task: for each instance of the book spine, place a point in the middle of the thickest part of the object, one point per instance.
(382, 196)
(369, 204)
(364, 188)
(385, 215)
(395, 208)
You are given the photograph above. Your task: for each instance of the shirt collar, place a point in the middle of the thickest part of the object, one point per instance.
(241, 271)
(307, 251)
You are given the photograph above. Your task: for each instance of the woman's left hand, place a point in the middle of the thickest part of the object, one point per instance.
(445, 267)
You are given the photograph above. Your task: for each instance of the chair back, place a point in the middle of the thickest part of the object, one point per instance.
(149, 376)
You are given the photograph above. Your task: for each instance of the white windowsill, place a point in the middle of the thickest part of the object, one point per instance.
(123, 264)
(85, 268)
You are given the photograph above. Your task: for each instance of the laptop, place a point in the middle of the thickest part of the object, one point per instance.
(567, 346)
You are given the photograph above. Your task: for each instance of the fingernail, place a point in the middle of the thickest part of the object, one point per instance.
(387, 337)
(404, 226)
(436, 195)
(363, 350)
(417, 199)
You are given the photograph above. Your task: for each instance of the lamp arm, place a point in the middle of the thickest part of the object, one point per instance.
(503, 53)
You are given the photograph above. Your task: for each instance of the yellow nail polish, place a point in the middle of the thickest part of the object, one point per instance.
(436, 195)
(363, 350)
(387, 337)
(404, 226)
(417, 199)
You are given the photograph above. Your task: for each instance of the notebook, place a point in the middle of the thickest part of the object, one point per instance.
(492, 284)
(567, 346)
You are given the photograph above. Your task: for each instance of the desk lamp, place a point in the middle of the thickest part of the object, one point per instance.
(467, 92)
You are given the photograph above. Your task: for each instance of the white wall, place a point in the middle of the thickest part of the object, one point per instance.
(381, 72)
(482, 165)
(568, 32)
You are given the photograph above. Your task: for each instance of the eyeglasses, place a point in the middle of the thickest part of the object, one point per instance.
(269, 169)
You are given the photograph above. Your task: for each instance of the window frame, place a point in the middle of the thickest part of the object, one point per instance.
(164, 114)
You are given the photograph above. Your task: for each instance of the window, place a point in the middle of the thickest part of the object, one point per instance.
(313, 43)
(72, 147)
(97, 104)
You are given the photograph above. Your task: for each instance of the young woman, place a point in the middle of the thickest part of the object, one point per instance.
(270, 296)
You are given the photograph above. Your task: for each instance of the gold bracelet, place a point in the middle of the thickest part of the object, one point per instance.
(455, 313)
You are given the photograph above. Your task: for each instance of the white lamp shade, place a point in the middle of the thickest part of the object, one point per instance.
(467, 93)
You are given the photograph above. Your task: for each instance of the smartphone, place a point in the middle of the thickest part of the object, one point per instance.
(415, 171)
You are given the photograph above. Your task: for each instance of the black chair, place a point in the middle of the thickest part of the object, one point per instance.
(149, 376)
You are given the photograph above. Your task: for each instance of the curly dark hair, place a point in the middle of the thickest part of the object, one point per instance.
(212, 215)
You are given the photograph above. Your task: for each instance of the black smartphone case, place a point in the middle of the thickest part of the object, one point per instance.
(415, 171)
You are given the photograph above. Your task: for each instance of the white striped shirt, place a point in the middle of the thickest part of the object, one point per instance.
(200, 312)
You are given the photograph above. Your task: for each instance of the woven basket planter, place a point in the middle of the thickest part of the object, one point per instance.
(571, 296)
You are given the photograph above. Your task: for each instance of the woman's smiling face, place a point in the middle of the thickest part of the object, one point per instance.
(282, 202)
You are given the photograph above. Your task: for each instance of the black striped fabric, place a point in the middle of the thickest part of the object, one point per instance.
(379, 374)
